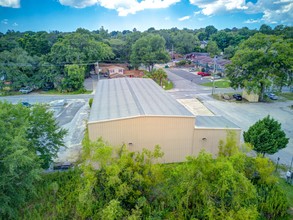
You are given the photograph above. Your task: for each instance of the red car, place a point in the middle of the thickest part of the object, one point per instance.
(203, 74)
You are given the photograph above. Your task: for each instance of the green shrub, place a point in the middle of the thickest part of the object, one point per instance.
(91, 102)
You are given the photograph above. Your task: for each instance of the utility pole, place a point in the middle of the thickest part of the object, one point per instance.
(213, 89)
(215, 64)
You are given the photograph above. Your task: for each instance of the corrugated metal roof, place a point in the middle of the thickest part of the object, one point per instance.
(130, 97)
(213, 122)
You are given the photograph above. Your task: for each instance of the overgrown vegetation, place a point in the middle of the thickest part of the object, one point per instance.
(113, 183)
(287, 95)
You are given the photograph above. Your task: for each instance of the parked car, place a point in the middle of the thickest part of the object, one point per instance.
(217, 77)
(203, 74)
(238, 97)
(272, 96)
(26, 104)
(26, 90)
(48, 86)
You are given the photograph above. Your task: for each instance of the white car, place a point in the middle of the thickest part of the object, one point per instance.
(26, 90)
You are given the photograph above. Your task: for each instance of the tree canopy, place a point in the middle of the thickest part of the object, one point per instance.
(261, 61)
(149, 50)
(266, 136)
(38, 59)
(30, 139)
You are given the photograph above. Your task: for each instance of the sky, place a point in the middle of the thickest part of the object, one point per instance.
(119, 15)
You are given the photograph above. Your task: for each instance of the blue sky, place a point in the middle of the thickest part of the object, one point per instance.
(68, 15)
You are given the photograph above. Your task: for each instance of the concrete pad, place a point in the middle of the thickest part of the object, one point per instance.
(195, 107)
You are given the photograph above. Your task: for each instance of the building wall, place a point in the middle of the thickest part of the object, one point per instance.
(177, 136)
(208, 139)
(173, 134)
(251, 97)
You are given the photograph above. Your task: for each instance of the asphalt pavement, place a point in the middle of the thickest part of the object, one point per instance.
(243, 114)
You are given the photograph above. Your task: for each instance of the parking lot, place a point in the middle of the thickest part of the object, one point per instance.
(243, 114)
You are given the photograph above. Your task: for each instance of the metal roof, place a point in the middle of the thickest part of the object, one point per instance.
(214, 122)
(130, 97)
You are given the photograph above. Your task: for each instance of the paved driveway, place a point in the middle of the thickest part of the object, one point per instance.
(242, 114)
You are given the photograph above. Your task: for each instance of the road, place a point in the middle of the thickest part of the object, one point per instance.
(242, 114)
(39, 98)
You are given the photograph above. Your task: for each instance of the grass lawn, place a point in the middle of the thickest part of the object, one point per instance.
(9, 93)
(218, 84)
(55, 92)
(168, 85)
(287, 95)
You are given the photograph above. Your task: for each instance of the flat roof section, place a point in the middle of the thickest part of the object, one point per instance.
(195, 107)
(130, 97)
(213, 122)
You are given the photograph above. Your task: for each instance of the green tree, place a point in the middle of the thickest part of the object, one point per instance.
(229, 52)
(18, 67)
(44, 134)
(266, 136)
(210, 30)
(19, 166)
(260, 61)
(149, 50)
(184, 42)
(118, 47)
(265, 29)
(35, 43)
(74, 78)
(213, 49)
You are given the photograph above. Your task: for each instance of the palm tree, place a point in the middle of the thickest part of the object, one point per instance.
(159, 75)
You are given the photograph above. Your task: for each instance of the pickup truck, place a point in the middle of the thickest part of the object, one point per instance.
(26, 90)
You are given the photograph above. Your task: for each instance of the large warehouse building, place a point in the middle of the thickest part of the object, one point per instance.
(139, 113)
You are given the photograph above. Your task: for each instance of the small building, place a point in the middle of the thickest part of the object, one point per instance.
(134, 73)
(115, 70)
(140, 114)
(203, 44)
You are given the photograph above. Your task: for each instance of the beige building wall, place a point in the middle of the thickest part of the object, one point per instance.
(208, 139)
(173, 134)
(251, 97)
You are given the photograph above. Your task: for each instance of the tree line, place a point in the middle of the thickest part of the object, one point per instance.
(41, 59)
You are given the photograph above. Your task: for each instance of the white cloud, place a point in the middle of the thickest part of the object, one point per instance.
(10, 3)
(197, 12)
(184, 18)
(14, 24)
(167, 18)
(123, 7)
(252, 21)
(4, 21)
(211, 7)
(274, 11)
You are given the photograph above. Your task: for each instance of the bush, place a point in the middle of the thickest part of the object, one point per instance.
(91, 102)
